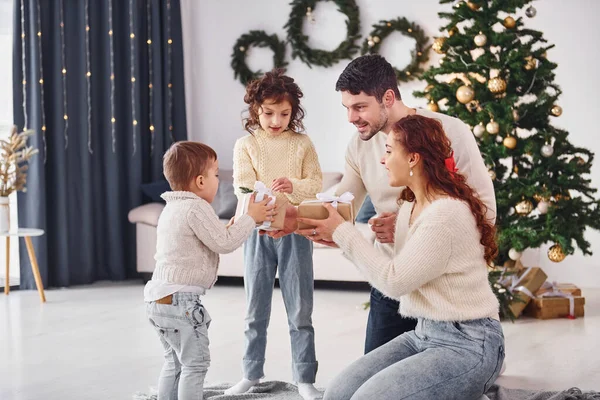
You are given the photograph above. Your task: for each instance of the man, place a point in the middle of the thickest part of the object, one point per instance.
(370, 94)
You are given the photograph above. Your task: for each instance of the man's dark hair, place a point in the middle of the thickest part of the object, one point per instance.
(371, 74)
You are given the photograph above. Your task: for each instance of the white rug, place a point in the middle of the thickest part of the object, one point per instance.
(264, 390)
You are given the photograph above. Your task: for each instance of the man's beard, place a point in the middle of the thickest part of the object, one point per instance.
(383, 120)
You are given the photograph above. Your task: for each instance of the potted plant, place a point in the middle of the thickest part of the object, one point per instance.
(14, 159)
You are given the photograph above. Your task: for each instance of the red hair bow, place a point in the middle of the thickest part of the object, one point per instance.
(451, 164)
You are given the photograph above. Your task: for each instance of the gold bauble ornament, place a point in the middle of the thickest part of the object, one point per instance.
(433, 106)
(556, 253)
(492, 127)
(452, 31)
(497, 85)
(473, 106)
(473, 6)
(509, 22)
(465, 94)
(524, 207)
(556, 110)
(510, 142)
(439, 45)
(530, 63)
(480, 39)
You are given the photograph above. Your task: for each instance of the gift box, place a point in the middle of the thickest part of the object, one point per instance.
(556, 307)
(261, 191)
(314, 209)
(567, 288)
(524, 285)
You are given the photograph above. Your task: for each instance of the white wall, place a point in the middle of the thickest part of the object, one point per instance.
(215, 99)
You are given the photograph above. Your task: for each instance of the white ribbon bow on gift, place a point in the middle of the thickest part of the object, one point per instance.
(261, 191)
(514, 283)
(555, 292)
(345, 198)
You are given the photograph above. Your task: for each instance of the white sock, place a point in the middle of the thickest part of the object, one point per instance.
(241, 387)
(309, 392)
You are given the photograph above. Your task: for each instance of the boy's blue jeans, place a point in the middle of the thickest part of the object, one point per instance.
(292, 255)
(182, 327)
(438, 360)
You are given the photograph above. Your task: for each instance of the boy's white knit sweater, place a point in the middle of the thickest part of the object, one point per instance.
(190, 237)
(439, 273)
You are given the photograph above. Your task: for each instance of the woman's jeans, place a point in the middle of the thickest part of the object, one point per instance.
(292, 256)
(438, 360)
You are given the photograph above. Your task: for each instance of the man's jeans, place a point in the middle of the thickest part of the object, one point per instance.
(384, 323)
(292, 255)
(183, 331)
(438, 360)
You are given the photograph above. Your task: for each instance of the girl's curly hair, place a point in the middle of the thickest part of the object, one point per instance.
(277, 87)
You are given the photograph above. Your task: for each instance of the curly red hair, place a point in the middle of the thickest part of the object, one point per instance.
(426, 136)
(275, 86)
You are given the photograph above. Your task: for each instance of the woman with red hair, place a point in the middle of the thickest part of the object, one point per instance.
(444, 244)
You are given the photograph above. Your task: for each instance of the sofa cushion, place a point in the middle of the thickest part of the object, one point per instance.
(146, 214)
(154, 189)
(225, 201)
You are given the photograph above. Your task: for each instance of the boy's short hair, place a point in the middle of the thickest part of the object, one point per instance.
(186, 160)
(371, 74)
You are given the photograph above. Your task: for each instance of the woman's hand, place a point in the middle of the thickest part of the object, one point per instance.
(282, 185)
(323, 228)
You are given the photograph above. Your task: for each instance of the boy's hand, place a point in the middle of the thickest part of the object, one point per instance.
(261, 211)
(290, 224)
(282, 185)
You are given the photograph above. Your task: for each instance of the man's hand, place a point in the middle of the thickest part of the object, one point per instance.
(289, 226)
(384, 226)
(231, 222)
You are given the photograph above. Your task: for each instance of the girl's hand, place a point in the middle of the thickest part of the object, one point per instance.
(323, 228)
(282, 185)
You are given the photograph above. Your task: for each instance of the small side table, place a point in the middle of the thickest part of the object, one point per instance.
(26, 233)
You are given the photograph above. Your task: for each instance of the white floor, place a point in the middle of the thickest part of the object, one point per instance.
(93, 342)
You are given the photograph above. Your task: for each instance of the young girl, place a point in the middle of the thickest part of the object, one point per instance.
(277, 154)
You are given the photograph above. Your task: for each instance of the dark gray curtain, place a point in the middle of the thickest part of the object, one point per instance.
(85, 179)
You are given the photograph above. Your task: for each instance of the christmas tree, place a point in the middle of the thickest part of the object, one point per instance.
(495, 76)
